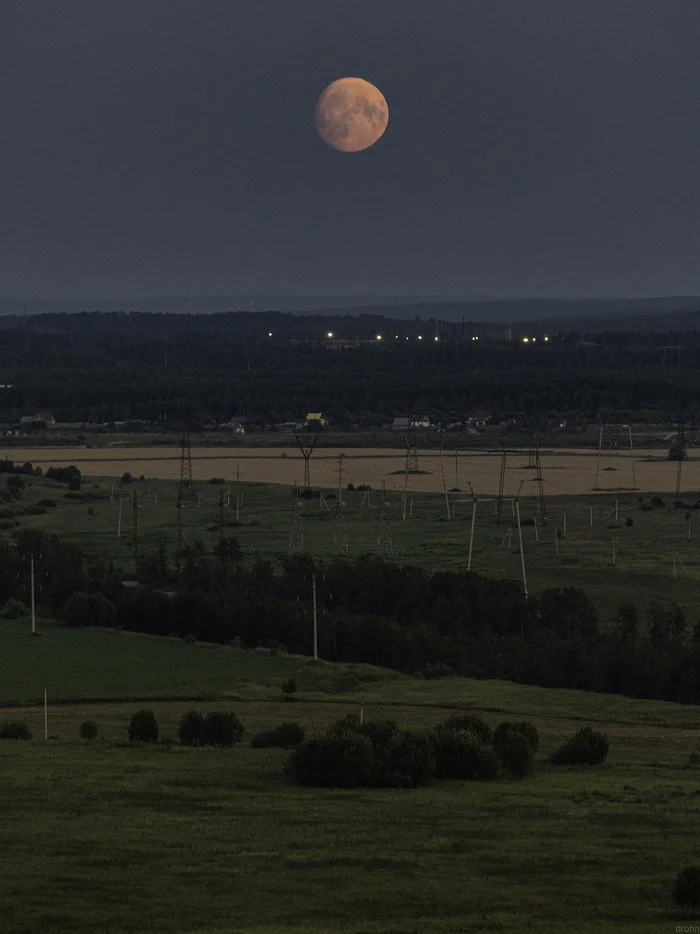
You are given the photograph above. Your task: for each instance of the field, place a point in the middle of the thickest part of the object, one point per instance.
(108, 837)
(656, 555)
(565, 472)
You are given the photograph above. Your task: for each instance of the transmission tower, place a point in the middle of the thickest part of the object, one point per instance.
(307, 450)
(340, 531)
(186, 477)
(296, 533)
(680, 451)
(501, 482)
(384, 543)
(411, 455)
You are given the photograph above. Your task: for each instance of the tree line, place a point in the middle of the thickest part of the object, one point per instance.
(369, 610)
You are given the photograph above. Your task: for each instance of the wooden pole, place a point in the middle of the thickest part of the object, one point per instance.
(238, 497)
(613, 551)
(564, 522)
(46, 714)
(522, 553)
(600, 448)
(556, 538)
(31, 565)
(119, 519)
(591, 522)
(616, 509)
(444, 484)
(471, 536)
(313, 584)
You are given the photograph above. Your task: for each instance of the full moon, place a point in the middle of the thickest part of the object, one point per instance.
(351, 114)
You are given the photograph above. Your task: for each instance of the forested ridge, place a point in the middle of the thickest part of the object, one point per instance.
(101, 368)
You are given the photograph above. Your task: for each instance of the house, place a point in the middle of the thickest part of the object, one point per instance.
(237, 423)
(401, 424)
(288, 427)
(39, 418)
(478, 419)
(421, 421)
(319, 417)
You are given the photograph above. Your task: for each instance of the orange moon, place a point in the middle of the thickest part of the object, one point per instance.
(351, 114)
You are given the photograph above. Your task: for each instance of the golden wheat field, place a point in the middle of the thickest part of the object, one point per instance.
(565, 472)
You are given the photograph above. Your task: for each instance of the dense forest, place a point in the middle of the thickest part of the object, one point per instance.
(431, 625)
(102, 368)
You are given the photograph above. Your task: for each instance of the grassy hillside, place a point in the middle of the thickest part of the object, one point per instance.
(149, 840)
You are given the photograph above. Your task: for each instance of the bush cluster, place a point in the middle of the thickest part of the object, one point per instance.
(380, 754)
(15, 729)
(285, 736)
(217, 728)
(586, 747)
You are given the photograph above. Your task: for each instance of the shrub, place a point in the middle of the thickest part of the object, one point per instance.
(528, 730)
(88, 729)
(289, 687)
(515, 753)
(14, 609)
(127, 478)
(407, 761)
(285, 736)
(587, 747)
(457, 754)
(656, 501)
(143, 727)
(686, 888)
(488, 765)
(471, 724)
(217, 480)
(221, 728)
(189, 732)
(15, 729)
(379, 732)
(344, 759)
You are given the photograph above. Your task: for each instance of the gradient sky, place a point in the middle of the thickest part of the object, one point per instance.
(534, 147)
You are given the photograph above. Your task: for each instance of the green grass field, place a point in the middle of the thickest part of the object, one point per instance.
(654, 557)
(104, 836)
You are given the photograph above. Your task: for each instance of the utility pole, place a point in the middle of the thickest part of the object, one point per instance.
(471, 532)
(444, 482)
(31, 566)
(46, 714)
(135, 507)
(119, 519)
(238, 494)
(522, 553)
(313, 593)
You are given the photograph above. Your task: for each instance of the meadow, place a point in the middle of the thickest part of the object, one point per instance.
(107, 836)
(655, 548)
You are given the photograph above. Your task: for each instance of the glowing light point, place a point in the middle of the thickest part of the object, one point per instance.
(379, 337)
(420, 337)
(330, 334)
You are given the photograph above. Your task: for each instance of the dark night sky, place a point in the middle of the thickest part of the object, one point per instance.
(534, 147)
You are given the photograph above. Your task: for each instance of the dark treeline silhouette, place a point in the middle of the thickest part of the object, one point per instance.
(370, 611)
(101, 368)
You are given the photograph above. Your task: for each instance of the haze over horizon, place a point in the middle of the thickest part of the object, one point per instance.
(538, 150)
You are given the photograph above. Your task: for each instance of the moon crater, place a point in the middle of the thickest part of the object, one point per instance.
(351, 114)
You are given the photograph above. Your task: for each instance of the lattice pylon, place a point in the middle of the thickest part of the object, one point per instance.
(385, 545)
(340, 531)
(296, 532)
(186, 475)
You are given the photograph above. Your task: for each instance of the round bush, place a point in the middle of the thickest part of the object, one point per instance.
(380, 732)
(527, 729)
(409, 760)
(189, 732)
(515, 752)
(143, 727)
(15, 729)
(221, 728)
(284, 736)
(686, 888)
(457, 753)
(488, 765)
(88, 729)
(336, 760)
(586, 747)
(471, 724)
